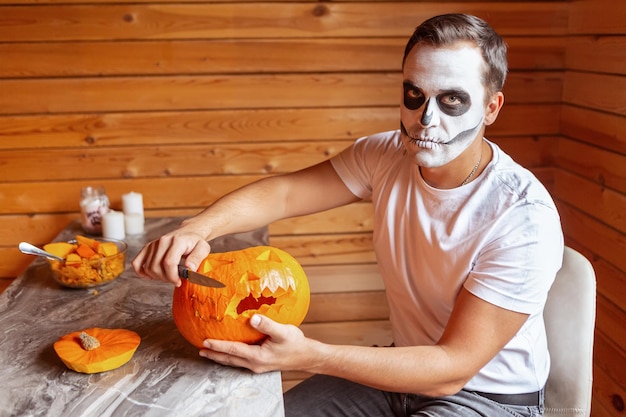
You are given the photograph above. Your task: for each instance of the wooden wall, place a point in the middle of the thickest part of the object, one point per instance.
(590, 179)
(184, 101)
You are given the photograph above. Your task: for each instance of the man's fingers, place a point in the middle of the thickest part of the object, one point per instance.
(277, 332)
(197, 255)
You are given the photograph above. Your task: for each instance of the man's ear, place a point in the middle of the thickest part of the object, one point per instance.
(493, 107)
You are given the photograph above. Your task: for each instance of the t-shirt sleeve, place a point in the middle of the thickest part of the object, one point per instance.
(517, 267)
(351, 167)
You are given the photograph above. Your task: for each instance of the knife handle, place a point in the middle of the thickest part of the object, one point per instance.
(183, 271)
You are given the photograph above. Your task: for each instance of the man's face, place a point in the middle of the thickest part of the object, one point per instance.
(443, 102)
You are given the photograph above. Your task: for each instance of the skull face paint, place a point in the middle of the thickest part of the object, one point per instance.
(443, 107)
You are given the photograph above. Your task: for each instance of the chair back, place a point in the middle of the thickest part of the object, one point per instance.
(569, 315)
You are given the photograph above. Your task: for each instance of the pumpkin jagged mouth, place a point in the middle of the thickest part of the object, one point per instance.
(253, 303)
(248, 299)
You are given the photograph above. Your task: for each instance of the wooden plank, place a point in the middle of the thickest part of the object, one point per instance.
(606, 54)
(598, 409)
(361, 333)
(60, 95)
(594, 235)
(525, 119)
(339, 249)
(180, 160)
(595, 91)
(357, 217)
(597, 17)
(599, 165)
(193, 127)
(344, 278)
(336, 307)
(530, 152)
(37, 229)
(197, 56)
(89, 131)
(223, 1)
(592, 198)
(610, 281)
(611, 321)
(63, 196)
(164, 161)
(262, 20)
(609, 377)
(4, 283)
(164, 193)
(536, 53)
(594, 127)
(42, 228)
(220, 56)
(197, 92)
(13, 262)
(610, 357)
(545, 175)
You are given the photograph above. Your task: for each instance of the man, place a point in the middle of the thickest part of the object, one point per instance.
(468, 244)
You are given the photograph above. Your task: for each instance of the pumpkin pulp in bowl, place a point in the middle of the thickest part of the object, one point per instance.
(88, 261)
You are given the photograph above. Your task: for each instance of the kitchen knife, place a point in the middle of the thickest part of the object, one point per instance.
(198, 278)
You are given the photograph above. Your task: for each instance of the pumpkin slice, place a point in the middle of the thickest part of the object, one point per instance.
(60, 249)
(85, 251)
(97, 350)
(92, 243)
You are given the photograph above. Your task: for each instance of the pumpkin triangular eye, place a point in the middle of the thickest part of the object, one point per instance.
(211, 264)
(269, 255)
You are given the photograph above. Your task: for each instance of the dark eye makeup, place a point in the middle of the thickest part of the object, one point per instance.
(453, 103)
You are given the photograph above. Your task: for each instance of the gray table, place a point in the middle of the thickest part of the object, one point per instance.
(165, 377)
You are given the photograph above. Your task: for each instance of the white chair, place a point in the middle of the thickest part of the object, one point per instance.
(570, 314)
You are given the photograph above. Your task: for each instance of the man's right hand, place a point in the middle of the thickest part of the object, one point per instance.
(160, 258)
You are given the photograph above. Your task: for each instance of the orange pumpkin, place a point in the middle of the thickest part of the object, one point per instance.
(96, 349)
(260, 279)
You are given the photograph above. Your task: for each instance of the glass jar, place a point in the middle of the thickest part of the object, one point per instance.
(94, 203)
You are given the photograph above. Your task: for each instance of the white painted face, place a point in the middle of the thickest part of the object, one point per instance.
(443, 103)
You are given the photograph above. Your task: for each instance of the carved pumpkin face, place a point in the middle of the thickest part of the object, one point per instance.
(260, 279)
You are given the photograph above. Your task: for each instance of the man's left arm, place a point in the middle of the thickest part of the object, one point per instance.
(475, 333)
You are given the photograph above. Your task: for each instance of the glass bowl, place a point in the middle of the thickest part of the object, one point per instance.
(91, 270)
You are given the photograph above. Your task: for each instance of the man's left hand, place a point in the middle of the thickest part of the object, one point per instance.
(284, 348)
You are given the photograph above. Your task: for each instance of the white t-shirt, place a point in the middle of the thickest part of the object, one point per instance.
(499, 237)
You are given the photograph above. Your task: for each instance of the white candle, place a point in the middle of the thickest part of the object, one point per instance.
(113, 225)
(133, 223)
(132, 203)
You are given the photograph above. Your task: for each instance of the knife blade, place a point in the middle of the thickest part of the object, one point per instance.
(198, 278)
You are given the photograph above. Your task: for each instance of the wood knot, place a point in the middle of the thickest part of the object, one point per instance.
(618, 402)
(320, 10)
(90, 140)
(129, 18)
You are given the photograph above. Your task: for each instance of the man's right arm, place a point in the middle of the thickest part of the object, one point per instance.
(310, 190)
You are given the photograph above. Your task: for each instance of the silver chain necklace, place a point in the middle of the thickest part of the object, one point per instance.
(471, 174)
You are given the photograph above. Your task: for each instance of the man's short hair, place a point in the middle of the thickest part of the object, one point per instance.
(450, 28)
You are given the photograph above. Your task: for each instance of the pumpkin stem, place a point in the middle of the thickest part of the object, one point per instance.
(88, 342)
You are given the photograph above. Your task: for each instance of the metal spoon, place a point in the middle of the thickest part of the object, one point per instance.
(29, 249)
